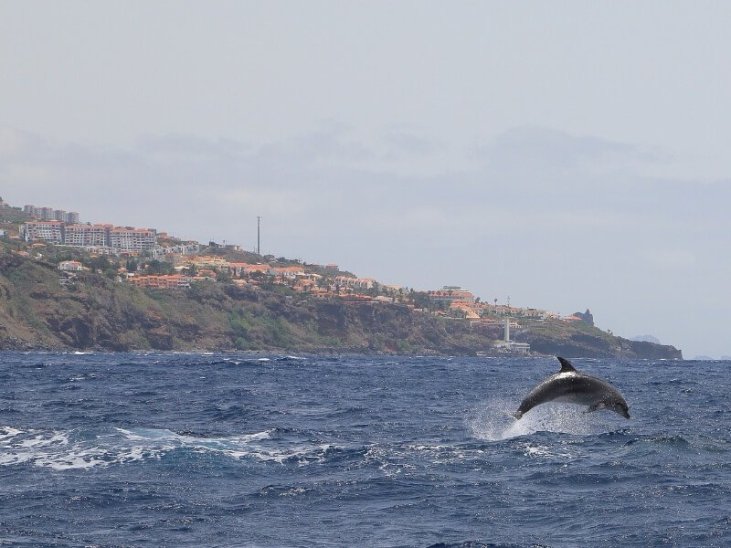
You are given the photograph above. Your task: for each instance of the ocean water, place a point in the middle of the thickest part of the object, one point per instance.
(168, 449)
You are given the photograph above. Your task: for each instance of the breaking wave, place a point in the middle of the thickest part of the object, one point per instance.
(78, 449)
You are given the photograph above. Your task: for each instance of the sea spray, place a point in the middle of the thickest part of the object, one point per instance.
(494, 421)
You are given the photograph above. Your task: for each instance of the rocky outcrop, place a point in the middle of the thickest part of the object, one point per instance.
(583, 341)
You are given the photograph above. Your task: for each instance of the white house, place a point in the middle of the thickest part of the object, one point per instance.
(71, 266)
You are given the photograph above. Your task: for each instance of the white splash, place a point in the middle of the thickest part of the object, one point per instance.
(495, 422)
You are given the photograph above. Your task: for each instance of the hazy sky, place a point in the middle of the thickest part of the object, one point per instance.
(569, 155)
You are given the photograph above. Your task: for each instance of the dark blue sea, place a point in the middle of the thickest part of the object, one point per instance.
(165, 449)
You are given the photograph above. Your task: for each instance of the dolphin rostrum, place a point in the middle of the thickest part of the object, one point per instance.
(568, 385)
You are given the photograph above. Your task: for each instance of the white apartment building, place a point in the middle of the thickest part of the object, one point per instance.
(87, 235)
(99, 237)
(50, 214)
(69, 217)
(49, 231)
(128, 239)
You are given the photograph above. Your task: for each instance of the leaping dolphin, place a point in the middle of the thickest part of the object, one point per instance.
(568, 385)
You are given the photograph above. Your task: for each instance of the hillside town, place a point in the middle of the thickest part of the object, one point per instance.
(146, 258)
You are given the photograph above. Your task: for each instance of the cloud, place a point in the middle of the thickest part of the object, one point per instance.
(543, 147)
(533, 181)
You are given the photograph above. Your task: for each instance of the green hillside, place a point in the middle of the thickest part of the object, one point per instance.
(42, 309)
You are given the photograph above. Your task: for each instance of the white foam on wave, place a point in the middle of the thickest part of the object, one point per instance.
(394, 459)
(302, 454)
(163, 440)
(390, 462)
(544, 451)
(7, 432)
(155, 434)
(20, 446)
(439, 453)
(72, 450)
(56, 450)
(256, 445)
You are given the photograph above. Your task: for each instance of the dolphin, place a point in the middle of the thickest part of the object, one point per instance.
(568, 385)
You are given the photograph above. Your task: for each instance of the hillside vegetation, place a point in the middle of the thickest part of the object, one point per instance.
(40, 309)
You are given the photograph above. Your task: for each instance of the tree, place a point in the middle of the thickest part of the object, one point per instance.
(159, 267)
(223, 276)
(420, 299)
(100, 263)
(375, 289)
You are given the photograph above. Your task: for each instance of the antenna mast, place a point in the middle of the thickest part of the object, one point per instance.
(258, 235)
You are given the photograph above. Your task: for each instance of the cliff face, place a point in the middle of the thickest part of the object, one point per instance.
(594, 344)
(37, 311)
(583, 339)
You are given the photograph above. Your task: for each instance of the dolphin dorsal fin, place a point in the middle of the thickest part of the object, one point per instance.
(566, 366)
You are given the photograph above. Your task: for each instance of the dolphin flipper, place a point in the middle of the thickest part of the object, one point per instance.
(596, 406)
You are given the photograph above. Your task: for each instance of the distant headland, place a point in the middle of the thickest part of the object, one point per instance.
(71, 285)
